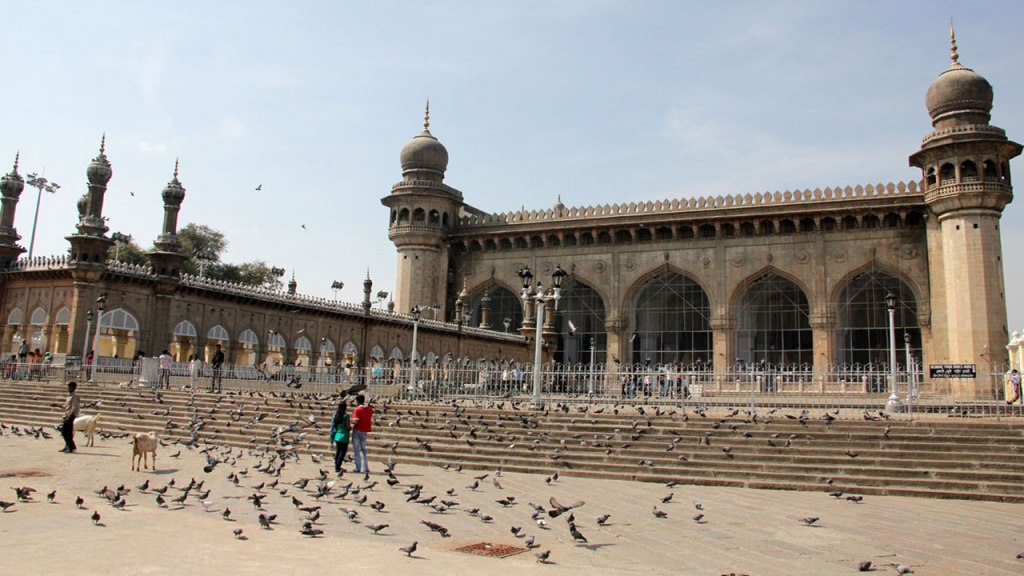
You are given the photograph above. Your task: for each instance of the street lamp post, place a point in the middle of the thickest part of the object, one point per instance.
(590, 389)
(540, 298)
(909, 371)
(119, 239)
(101, 302)
(88, 330)
(507, 322)
(38, 182)
(337, 285)
(414, 360)
(893, 404)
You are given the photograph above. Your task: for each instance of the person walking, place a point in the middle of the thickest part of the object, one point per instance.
(165, 369)
(340, 432)
(67, 426)
(194, 365)
(218, 363)
(362, 420)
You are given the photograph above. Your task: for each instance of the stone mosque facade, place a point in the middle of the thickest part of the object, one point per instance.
(795, 279)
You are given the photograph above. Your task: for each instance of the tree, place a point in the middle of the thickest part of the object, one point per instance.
(199, 241)
(129, 253)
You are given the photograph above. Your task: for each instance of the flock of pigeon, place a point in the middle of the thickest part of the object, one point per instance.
(312, 498)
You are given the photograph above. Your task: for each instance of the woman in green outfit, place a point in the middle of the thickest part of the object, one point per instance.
(340, 427)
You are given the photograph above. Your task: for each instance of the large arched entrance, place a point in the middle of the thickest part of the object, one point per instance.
(773, 325)
(184, 340)
(671, 319)
(580, 322)
(505, 309)
(862, 317)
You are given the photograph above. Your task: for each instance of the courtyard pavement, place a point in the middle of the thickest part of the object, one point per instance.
(743, 531)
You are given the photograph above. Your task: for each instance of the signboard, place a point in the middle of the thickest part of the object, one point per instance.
(952, 370)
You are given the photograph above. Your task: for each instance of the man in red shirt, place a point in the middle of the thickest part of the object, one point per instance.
(362, 423)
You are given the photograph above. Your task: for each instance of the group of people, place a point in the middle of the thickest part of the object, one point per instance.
(27, 364)
(354, 429)
(195, 368)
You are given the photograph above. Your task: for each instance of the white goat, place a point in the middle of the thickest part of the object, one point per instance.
(142, 445)
(88, 425)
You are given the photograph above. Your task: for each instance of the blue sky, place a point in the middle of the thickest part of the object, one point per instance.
(596, 101)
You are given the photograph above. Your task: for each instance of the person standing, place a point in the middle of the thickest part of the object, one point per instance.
(165, 369)
(340, 428)
(194, 365)
(1015, 384)
(67, 425)
(217, 362)
(362, 420)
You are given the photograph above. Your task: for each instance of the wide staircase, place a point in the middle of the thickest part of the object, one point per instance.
(942, 457)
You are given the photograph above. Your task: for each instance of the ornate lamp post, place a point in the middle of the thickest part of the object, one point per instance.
(337, 285)
(590, 389)
(38, 182)
(909, 370)
(539, 297)
(88, 330)
(101, 303)
(893, 404)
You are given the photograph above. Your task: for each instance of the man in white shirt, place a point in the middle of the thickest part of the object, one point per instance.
(165, 369)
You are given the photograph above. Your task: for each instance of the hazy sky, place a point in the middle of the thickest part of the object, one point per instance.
(596, 101)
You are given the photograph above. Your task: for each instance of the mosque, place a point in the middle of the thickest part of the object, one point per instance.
(817, 281)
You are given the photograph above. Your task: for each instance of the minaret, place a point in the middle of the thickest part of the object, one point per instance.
(11, 186)
(966, 167)
(89, 244)
(293, 286)
(423, 210)
(167, 258)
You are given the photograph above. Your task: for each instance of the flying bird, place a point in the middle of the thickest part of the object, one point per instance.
(260, 187)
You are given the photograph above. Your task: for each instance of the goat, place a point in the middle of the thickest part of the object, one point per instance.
(142, 445)
(88, 425)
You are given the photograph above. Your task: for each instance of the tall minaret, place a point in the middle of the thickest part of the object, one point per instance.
(966, 166)
(167, 257)
(89, 244)
(11, 186)
(423, 210)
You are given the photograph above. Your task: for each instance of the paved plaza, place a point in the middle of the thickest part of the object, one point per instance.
(743, 531)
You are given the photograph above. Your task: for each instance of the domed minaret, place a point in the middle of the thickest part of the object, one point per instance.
(423, 210)
(90, 243)
(966, 167)
(11, 186)
(167, 257)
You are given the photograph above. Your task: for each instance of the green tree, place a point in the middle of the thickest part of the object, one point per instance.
(199, 241)
(255, 273)
(130, 253)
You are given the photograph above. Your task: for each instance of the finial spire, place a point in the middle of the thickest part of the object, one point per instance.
(17, 156)
(103, 144)
(175, 168)
(953, 55)
(426, 118)
(367, 272)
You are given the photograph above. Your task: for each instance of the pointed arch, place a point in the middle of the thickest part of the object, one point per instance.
(505, 303)
(275, 340)
(218, 332)
(583, 306)
(377, 352)
(248, 337)
(773, 321)
(185, 328)
(17, 316)
(670, 317)
(327, 346)
(302, 344)
(38, 317)
(396, 354)
(63, 317)
(349, 348)
(119, 319)
(862, 316)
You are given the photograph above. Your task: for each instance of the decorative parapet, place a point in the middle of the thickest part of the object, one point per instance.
(136, 270)
(39, 263)
(701, 203)
(421, 184)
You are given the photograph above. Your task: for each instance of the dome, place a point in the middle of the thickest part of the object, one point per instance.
(99, 171)
(424, 152)
(959, 89)
(174, 192)
(12, 183)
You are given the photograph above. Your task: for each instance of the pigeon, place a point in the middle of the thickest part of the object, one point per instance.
(864, 566)
(659, 513)
(668, 498)
(95, 518)
(698, 518)
(436, 528)
(226, 514)
(51, 496)
(517, 531)
(855, 499)
(264, 522)
(809, 520)
(79, 502)
(558, 509)
(576, 535)
(24, 493)
(409, 549)
(238, 532)
(602, 519)
(542, 557)
(309, 530)
(530, 539)
(5, 505)
(901, 569)
(377, 527)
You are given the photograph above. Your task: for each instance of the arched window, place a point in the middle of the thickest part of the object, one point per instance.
(747, 229)
(505, 244)
(16, 316)
(350, 349)
(581, 305)
(686, 232)
(604, 237)
(707, 230)
(419, 216)
(570, 239)
(248, 337)
(520, 243)
(586, 239)
(396, 354)
(728, 230)
(930, 176)
(377, 352)
(773, 323)
(947, 173)
(326, 346)
(444, 220)
(63, 317)
(435, 217)
(968, 171)
(623, 236)
(474, 246)
(403, 216)
(767, 227)
(275, 341)
(870, 221)
(892, 220)
(536, 242)
(807, 224)
(119, 319)
(504, 304)
(38, 317)
(671, 319)
(828, 224)
(850, 223)
(302, 344)
(862, 334)
(553, 240)
(663, 233)
(644, 235)
(989, 170)
(787, 226)
(218, 332)
(185, 328)
(489, 245)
